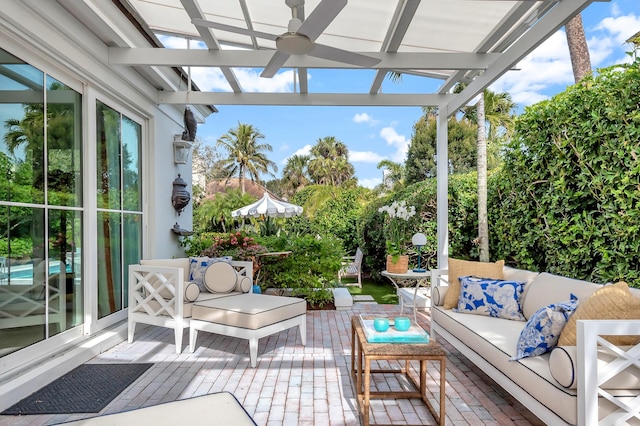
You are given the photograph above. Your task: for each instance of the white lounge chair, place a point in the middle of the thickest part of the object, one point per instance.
(352, 268)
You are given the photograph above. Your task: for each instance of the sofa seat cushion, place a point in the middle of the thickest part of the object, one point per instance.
(251, 311)
(459, 268)
(494, 339)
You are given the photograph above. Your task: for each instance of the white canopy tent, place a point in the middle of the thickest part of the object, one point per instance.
(268, 207)
(445, 42)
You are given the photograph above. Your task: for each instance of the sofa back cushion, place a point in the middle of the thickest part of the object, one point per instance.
(549, 288)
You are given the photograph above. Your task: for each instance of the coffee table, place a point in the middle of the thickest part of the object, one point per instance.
(363, 353)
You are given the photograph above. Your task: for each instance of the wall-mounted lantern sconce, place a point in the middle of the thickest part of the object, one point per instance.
(180, 197)
(181, 149)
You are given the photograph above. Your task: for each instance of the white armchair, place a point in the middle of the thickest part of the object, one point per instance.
(160, 294)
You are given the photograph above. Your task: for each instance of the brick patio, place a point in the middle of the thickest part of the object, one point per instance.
(295, 384)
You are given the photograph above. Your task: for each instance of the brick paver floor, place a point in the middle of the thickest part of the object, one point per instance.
(295, 384)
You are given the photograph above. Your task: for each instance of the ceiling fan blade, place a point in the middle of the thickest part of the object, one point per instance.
(275, 63)
(340, 55)
(321, 17)
(223, 27)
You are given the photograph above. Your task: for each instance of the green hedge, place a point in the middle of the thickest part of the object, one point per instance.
(567, 198)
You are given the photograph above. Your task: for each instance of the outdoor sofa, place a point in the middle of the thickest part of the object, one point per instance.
(208, 294)
(575, 383)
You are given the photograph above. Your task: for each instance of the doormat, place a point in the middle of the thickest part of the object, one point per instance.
(87, 389)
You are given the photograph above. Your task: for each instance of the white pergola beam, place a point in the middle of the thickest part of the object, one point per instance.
(259, 59)
(297, 99)
(405, 11)
(193, 10)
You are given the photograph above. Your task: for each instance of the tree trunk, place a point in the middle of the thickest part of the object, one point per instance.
(483, 222)
(578, 50)
(242, 179)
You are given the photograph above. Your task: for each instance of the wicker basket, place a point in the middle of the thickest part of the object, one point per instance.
(399, 267)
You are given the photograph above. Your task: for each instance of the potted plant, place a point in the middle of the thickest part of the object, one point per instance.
(395, 230)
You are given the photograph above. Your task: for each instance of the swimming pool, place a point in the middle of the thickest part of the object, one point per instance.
(26, 271)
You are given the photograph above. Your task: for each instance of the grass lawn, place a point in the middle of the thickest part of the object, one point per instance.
(383, 293)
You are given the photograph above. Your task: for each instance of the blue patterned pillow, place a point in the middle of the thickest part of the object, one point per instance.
(490, 297)
(198, 266)
(543, 329)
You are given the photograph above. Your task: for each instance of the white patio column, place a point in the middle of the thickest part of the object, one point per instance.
(442, 173)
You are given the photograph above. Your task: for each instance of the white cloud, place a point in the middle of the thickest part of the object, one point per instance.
(400, 142)
(365, 157)
(369, 183)
(212, 79)
(550, 64)
(365, 118)
(362, 118)
(620, 27)
(305, 150)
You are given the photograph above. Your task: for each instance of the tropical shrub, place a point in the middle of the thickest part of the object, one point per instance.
(309, 271)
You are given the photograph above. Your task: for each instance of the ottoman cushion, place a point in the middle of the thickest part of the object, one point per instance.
(250, 311)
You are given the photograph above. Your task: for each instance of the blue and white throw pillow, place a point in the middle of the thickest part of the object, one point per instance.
(491, 297)
(543, 329)
(198, 266)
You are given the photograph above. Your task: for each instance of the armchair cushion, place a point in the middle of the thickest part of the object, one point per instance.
(198, 266)
(244, 284)
(191, 292)
(220, 277)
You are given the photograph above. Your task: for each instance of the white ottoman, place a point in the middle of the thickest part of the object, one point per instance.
(248, 316)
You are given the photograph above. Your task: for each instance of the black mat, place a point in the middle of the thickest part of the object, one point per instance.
(87, 389)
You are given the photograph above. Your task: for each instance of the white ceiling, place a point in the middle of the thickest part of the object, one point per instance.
(442, 41)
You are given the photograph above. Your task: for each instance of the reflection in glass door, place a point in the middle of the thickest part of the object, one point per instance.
(119, 200)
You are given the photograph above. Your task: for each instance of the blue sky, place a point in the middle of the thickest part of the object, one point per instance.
(376, 133)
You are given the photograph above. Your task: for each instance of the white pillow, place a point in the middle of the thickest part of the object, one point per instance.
(220, 277)
(563, 364)
(244, 284)
(191, 291)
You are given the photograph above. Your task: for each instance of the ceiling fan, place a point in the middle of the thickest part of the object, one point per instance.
(300, 37)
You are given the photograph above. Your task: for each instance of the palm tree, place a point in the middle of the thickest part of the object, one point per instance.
(295, 174)
(493, 111)
(394, 178)
(215, 214)
(578, 49)
(329, 164)
(246, 157)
